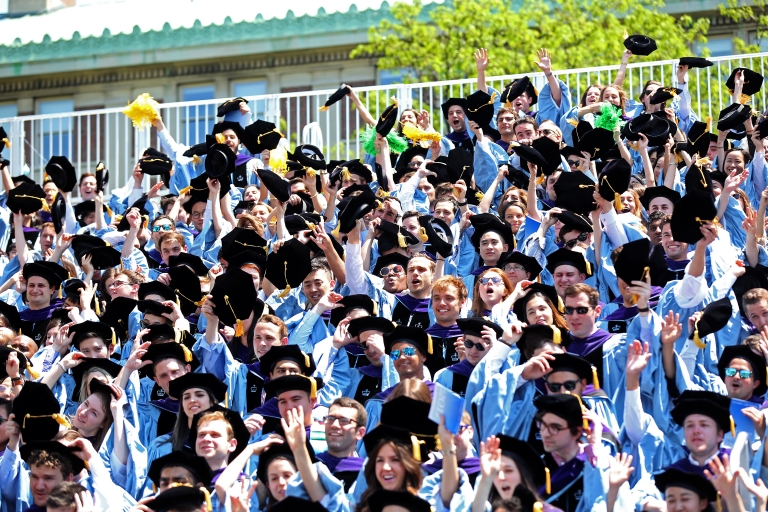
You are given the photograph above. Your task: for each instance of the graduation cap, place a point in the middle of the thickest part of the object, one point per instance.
(480, 108)
(640, 45)
(564, 256)
(389, 259)
(517, 88)
(200, 149)
(292, 503)
(181, 497)
(691, 212)
(647, 124)
(753, 277)
(241, 239)
(207, 381)
(413, 415)
(90, 329)
(288, 353)
(48, 446)
(537, 335)
(85, 208)
(261, 135)
(597, 142)
(108, 365)
(228, 125)
(440, 168)
(4, 142)
(370, 323)
(530, 154)
(158, 352)
(663, 94)
(695, 482)
(698, 139)
(186, 286)
(461, 102)
(103, 255)
(756, 361)
(474, 326)
(198, 466)
(714, 316)
(641, 258)
(5, 352)
(156, 288)
(38, 413)
(287, 268)
(358, 207)
(753, 81)
(190, 260)
(11, 313)
(550, 150)
(58, 212)
(297, 382)
(576, 221)
(228, 106)
(652, 193)
(699, 179)
(350, 303)
(234, 301)
(439, 235)
(523, 451)
(275, 451)
(153, 307)
(198, 189)
(733, 116)
(220, 161)
(116, 315)
(62, 173)
(412, 335)
(487, 222)
(302, 222)
(310, 156)
(27, 198)
(566, 362)
(574, 192)
(695, 62)
(141, 205)
(157, 164)
(275, 184)
(53, 273)
(706, 403)
(389, 433)
(387, 119)
(406, 156)
(562, 405)
(335, 97)
(614, 181)
(529, 263)
(460, 165)
(162, 333)
(516, 177)
(102, 177)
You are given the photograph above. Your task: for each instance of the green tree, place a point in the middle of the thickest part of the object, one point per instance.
(756, 14)
(436, 42)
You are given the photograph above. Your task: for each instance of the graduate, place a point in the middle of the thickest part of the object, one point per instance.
(344, 428)
(448, 302)
(179, 467)
(42, 279)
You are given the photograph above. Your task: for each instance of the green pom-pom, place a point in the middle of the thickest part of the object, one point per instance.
(397, 144)
(368, 139)
(609, 118)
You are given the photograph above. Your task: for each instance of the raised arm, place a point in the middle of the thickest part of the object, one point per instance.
(134, 222)
(214, 186)
(545, 64)
(296, 437)
(481, 64)
(490, 466)
(364, 113)
(485, 204)
(622, 73)
(532, 207)
(98, 200)
(382, 158)
(642, 148)
(670, 166)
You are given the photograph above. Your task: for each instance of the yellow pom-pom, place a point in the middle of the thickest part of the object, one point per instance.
(142, 111)
(278, 160)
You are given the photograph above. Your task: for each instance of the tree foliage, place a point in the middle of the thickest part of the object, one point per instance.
(756, 14)
(428, 43)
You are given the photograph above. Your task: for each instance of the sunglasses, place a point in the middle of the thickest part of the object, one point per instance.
(572, 243)
(581, 310)
(397, 269)
(573, 163)
(494, 280)
(407, 352)
(166, 227)
(569, 385)
(546, 132)
(744, 374)
(478, 346)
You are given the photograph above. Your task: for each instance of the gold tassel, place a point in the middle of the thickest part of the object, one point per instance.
(7, 143)
(696, 339)
(438, 443)
(154, 488)
(185, 190)
(287, 290)
(429, 344)
(307, 362)
(220, 138)
(401, 240)
(207, 495)
(560, 304)
(335, 231)
(573, 122)
(59, 418)
(60, 293)
(538, 507)
(625, 35)
(633, 299)
(548, 484)
(196, 160)
(187, 353)
(617, 202)
(588, 266)
(98, 312)
(709, 123)
(423, 234)
(239, 331)
(323, 109)
(744, 99)
(382, 193)
(310, 225)
(540, 179)
(45, 207)
(557, 337)
(595, 380)
(62, 420)
(32, 372)
(114, 337)
(733, 426)
(311, 173)
(479, 195)
(283, 294)
(415, 449)
(312, 388)
(719, 504)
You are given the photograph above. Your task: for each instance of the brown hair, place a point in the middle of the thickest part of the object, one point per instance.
(217, 416)
(47, 225)
(52, 460)
(430, 261)
(412, 388)
(63, 495)
(350, 403)
(583, 102)
(578, 288)
(106, 398)
(754, 296)
(164, 217)
(248, 221)
(638, 207)
(448, 199)
(505, 110)
(525, 120)
(478, 306)
(647, 83)
(622, 95)
(272, 319)
(112, 273)
(170, 236)
(86, 175)
(413, 474)
(442, 284)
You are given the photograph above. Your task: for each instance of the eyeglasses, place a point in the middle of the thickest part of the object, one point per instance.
(547, 132)
(414, 165)
(343, 422)
(494, 280)
(478, 346)
(117, 284)
(397, 269)
(197, 215)
(514, 268)
(463, 428)
(506, 120)
(407, 352)
(581, 310)
(572, 242)
(744, 374)
(647, 92)
(552, 429)
(573, 163)
(569, 385)
(165, 227)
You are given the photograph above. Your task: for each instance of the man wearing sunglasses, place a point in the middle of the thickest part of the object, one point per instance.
(744, 373)
(479, 335)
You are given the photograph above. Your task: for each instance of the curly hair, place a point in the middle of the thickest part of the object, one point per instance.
(413, 474)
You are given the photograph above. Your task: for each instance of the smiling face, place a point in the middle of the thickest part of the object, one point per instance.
(538, 312)
(231, 140)
(395, 280)
(757, 314)
(390, 471)
(515, 215)
(581, 326)
(39, 292)
(592, 96)
(702, 435)
(265, 336)
(456, 118)
(94, 347)
(734, 161)
(195, 400)
(522, 103)
(342, 439)
(565, 276)
(508, 478)
(87, 187)
(491, 247)
(446, 305)
(525, 131)
(317, 284)
(90, 416)
(279, 472)
(676, 251)
(611, 95)
(681, 499)
(290, 400)
(409, 366)
(214, 443)
(628, 200)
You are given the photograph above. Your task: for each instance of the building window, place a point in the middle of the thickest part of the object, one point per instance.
(56, 131)
(387, 77)
(248, 90)
(197, 120)
(718, 46)
(8, 110)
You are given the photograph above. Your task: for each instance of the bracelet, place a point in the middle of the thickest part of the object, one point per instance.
(719, 147)
(314, 196)
(464, 203)
(15, 379)
(448, 452)
(58, 363)
(548, 74)
(643, 310)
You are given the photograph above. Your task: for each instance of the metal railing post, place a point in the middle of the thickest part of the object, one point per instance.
(404, 96)
(16, 136)
(272, 109)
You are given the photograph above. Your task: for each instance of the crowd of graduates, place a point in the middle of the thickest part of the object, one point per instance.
(266, 328)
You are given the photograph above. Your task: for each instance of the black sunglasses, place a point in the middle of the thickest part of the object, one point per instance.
(478, 346)
(582, 310)
(572, 243)
(569, 385)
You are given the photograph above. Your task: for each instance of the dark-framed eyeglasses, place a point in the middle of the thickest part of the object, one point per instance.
(743, 374)
(569, 385)
(514, 268)
(573, 163)
(343, 422)
(581, 310)
(414, 165)
(478, 346)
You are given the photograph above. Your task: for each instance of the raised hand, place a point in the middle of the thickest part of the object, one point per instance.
(254, 423)
(671, 328)
(621, 470)
(341, 336)
(545, 60)
(719, 473)
(294, 431)
(537, 366)
(757, 489)
(490, 457)
(481, 59)
(638, 357)
(12, 365)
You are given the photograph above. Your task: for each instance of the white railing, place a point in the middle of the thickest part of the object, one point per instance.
(88, 137)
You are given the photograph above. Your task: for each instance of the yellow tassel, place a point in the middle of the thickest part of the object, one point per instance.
(719, 503)
(335, 231)
(283, 294)
(479, 196)
(196, 160)
(415, 449)
(312, 388)
(625, 35)
(696, 339)
(423, 234)
(207, 495)
(401, 240)
(98, 312)
(220, 138)
(540, 179)
(187, 353)
(239, 328)
(307, 362)
(311, 173)
(560, 304)
(345, 174)
(109, 211)
(538, 507)
(617, 202)
(438, 443)
(709, 123)
(595, 380)
(382, 193)
(45, 208)
(7, 143)
(184, 190)
(589, 267)
(62, 420)
(323, 109)
(744, 99)
(60, 293)
(32, 372)
(634, 145)
(114, 338)
(142, 111)
(573, 122)
(548, 484)
(154, 488)
(429, 344)
(733, 426)
(557, 337)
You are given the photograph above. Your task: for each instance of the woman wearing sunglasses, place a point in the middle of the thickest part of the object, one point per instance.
(491, 289)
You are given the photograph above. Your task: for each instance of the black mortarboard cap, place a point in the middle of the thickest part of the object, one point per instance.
(51, 272)
(574, 192)
(157, 164)
(191, 261)
(289, 266)
(302, 222)
(292, 504)
(384, 432)
(241, 239)
(530, 154)
(637, 256)
(103, 255)
(141, 205)
(90, 329)
(413, 335)
(234, 301)
(640, 45)
(733, 116)
(27, 198)
(102, 177)
(695, 482)
(652, 193)
(230, 106)
(714, 316)
(575, 259)
(486, 222)
(190, 380)
(753, 81)
(480, 108)
(261, 135)
(524, 452)
(84, 208)
(335, 97)
(753, 277)
(663, 94)
(153, 307)
(596, 142)
(706, 403)
(577, 221)
(531, 265)
(474, 326)
(406, 156)
(288, 353)
(11, 313)
(310, 156)
(756, 361)
(50, 447)
(296, 382)
(186, 286)
(179, 497)
(37, 412)
(565, 406)
(387, 120)
(62, 173)
(116, 315)
(691, 212)
(389, 259)
(695, 62)
(198, 466)
(698, 139)
(439, 235)
(698, 179)
(220, 161)
(58, 212)
(228, 125)
(110, 366)
(370, 323)
(275, 183)
(358, 206)
(517, 88)
(614, 180)
(461, 102)
(156, 288)
(565, 362)
(350, 303)
(413, 415)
